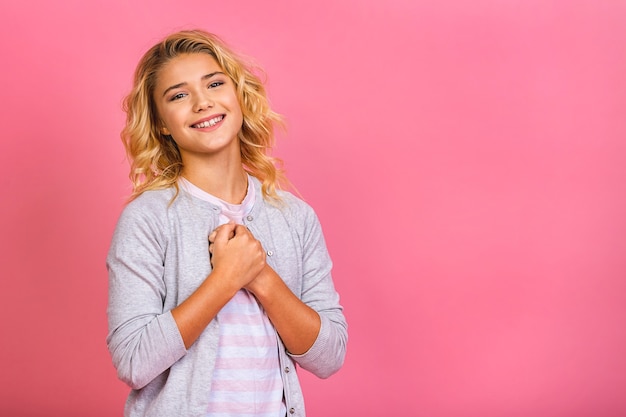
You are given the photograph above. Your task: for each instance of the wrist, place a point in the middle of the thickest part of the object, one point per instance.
(261, 285)
(218, 282)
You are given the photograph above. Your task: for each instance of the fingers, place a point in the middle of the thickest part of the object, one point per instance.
(235, 254)
(240, 230)
(230, 228)
(224, 232)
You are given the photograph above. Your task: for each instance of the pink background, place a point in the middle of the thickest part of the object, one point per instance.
(467, 160)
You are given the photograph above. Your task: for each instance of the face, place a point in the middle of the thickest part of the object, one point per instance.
(198, 106)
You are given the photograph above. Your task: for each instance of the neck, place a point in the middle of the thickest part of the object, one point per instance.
(225, 180)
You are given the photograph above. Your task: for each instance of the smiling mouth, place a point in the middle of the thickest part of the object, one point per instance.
(209, 123)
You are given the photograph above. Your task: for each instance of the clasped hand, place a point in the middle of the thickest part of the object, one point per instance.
(236, 254)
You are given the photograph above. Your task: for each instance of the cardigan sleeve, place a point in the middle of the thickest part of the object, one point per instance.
(327, 354)
(143, 339)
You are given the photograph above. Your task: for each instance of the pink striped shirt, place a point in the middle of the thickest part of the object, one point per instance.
(246, 381)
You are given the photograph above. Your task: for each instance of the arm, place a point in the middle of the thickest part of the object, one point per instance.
(144, 339)
(296, 323)
(327, 354)
(310, 324)
(236, 258)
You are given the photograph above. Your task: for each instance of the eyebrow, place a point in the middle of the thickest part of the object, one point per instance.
(204, 77)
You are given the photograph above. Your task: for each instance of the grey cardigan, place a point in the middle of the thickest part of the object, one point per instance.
(159, 256)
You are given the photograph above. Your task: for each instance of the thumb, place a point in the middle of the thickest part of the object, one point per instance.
(222, 234)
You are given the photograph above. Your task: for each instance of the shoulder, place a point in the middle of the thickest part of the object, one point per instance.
(298, 214)
(148, 209)
(152, 201)
(143, 226)
(294, 206)
(294, 210)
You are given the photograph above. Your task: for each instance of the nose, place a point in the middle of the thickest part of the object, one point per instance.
(202, 103)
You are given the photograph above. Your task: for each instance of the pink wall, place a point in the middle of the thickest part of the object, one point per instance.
(467, 160)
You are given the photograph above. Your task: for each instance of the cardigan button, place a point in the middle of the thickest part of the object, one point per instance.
(292, 410)
(270, 253)
(287, 369)
(249, 218)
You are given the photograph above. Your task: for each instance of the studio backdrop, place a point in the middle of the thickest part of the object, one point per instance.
(466, 160)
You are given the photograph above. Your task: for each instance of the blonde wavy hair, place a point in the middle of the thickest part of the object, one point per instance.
(155, 161)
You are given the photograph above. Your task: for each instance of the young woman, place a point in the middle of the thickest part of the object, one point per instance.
(219, 282)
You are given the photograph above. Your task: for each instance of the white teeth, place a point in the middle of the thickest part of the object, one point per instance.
(211, 122)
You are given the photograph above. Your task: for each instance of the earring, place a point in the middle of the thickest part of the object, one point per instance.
(165, 131)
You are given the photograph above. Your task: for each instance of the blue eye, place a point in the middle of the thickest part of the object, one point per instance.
(216, 84)
(177, 96)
